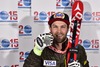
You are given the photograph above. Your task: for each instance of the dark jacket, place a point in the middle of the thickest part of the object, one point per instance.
(49, 54)
(33, 60)
(49, 58)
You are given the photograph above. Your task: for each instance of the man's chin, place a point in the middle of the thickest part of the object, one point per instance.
(60, 41)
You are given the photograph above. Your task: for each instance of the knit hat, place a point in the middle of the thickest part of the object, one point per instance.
(59, 16)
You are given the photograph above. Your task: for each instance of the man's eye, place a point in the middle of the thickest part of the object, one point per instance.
(63, 27)
(54, 26)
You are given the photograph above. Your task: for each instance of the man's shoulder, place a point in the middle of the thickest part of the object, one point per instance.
(80, 47)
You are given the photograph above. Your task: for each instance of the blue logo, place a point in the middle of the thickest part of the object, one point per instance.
(11, 44)
(27, 2)
(65, 2)
(87, 16)
(26, 54)
(86, 43)
(42, 16)
(4, 15)
(59, 14)
(27, 29)
(5, 43)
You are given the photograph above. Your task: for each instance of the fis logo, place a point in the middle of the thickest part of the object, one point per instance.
(23, 55)
(94, 16)
(90, 44)
(25, 30)
(49, 63)
(11, 44)
(64, 4)
(24, 4)
(42, 16)
(8, 16)
(87, 16)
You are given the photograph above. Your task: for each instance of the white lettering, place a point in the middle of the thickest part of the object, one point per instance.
(78, 15)
(49, 63)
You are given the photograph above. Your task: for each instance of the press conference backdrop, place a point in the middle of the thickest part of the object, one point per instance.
(21, 21)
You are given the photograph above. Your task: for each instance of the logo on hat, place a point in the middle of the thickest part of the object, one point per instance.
(59, 15)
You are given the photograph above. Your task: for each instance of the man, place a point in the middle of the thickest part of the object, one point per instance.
(55, 54)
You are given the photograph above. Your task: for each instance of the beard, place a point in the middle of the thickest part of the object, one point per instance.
(58, 39)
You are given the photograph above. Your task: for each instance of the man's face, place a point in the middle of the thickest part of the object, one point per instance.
(59, 31)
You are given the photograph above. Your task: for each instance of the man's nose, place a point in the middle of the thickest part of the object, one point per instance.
(59, 30)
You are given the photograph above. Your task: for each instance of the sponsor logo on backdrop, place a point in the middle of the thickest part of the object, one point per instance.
(90, 44)
(25, 30)
(8, 16)
(87, 16)
(9, 44)
(42, 16)
(23, 55)
(94, 16)
(24, 3)
(64, 4)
